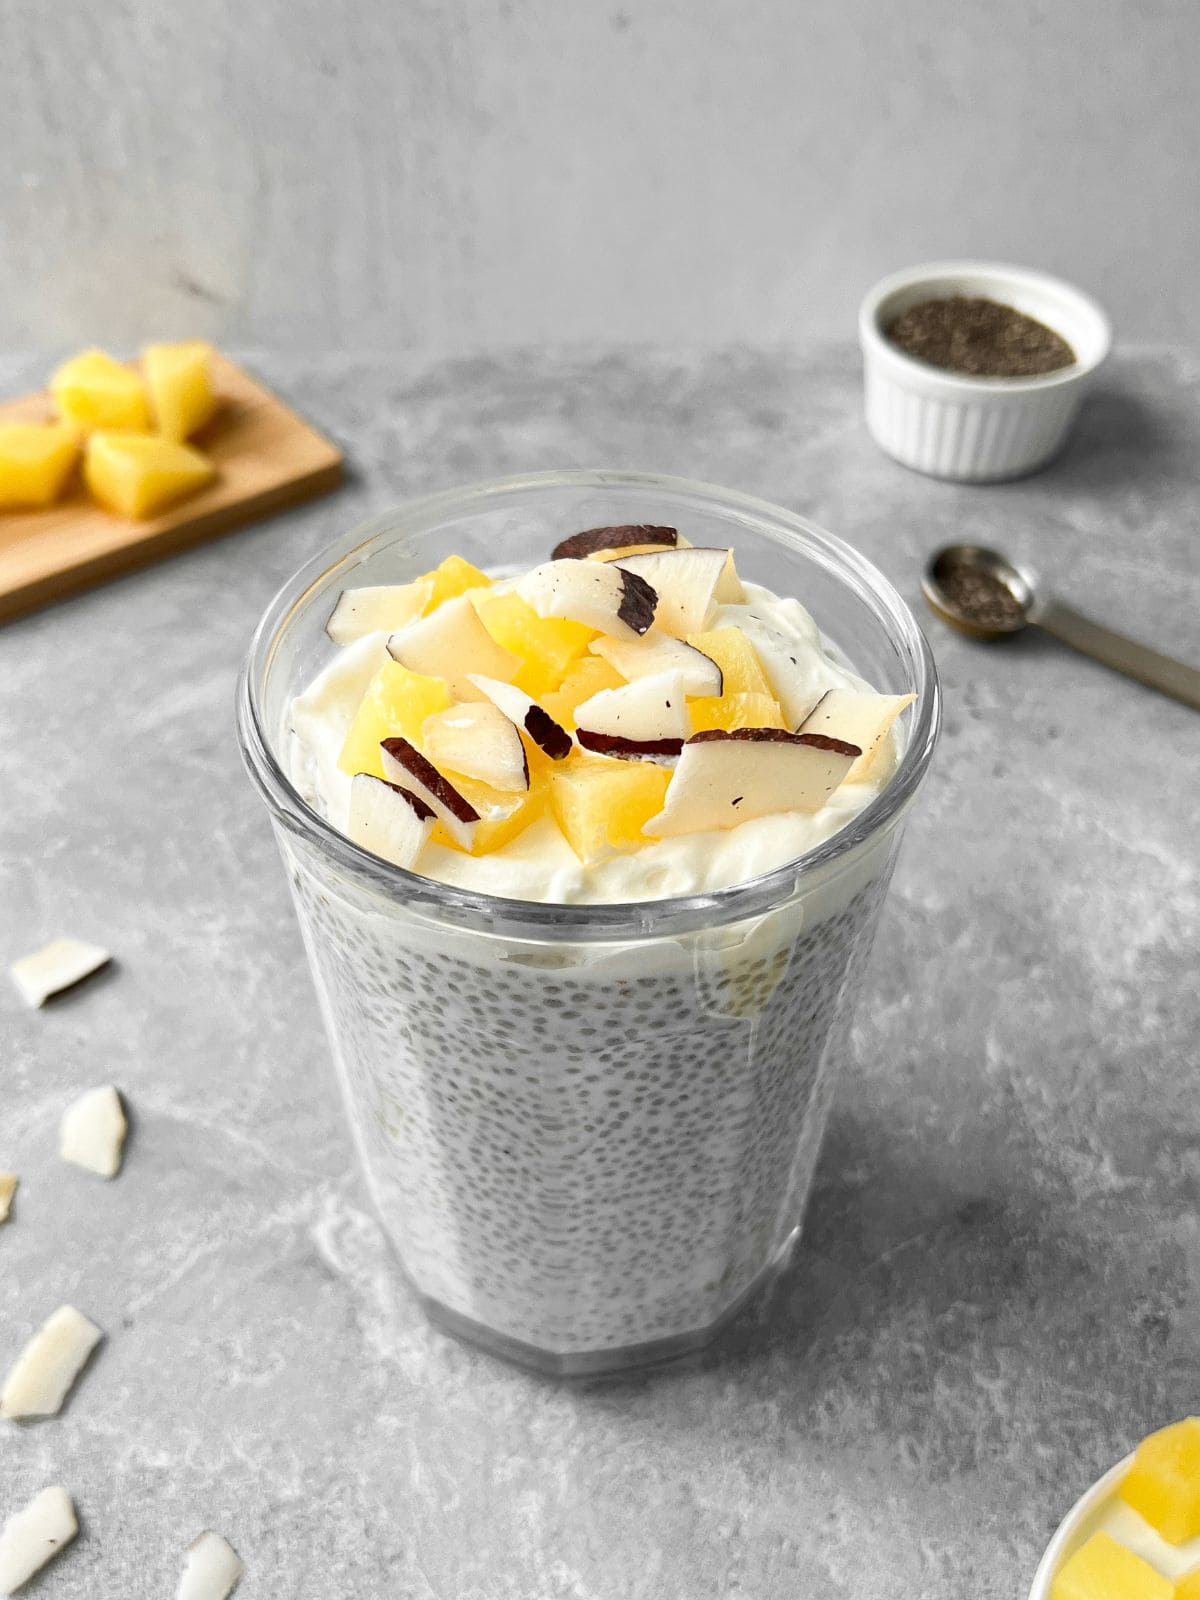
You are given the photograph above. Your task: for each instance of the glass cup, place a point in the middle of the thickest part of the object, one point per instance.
(589, 1130)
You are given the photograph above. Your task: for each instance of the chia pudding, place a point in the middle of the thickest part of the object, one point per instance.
(588, 1100)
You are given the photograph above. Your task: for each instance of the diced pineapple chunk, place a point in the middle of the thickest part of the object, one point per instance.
(1188, 1587)
(453, 577)
(1102, 1569)
(582, 680)
(602, 805)
(35, 461)
(137, 474)
(546, 646)
(1163, 1484)
(503, 815)
(737, 659)
(94, 391)
(395, 705)
(179, 386)
(730, 711)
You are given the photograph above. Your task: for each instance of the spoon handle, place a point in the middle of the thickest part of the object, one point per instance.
(1161, 672)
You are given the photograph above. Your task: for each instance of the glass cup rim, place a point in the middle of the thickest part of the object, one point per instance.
(590, 922)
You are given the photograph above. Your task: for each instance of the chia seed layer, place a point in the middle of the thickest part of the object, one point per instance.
(578, 1148)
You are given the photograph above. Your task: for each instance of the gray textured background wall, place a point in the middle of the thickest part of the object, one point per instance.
(442, 177)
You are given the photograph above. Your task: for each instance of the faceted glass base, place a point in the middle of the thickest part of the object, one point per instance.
(601, 1363)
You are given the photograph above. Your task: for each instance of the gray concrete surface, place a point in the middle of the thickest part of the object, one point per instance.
(442, 178)
(998, 1287)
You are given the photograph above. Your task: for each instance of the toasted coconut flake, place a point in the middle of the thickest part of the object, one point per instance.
(92, 1134)
(451, 643)
(725, 778)
(593, 540)
(60, 965)
(409, 769)
(606, 598)
(211, 1568)
(528, 715)
(34, 1535)
(685, 583)
(8, 1188)
(388, 820)
(862, 718)
(659, 652)
(42, 1375)
(379, 608)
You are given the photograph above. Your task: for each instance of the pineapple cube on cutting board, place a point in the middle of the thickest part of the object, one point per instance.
(137, 474)
(36, 459)
(92, 390)
(179, 385)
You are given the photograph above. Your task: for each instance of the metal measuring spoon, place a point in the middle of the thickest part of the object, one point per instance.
(981, 593)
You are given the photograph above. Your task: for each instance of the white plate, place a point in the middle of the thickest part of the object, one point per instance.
(1099, 1508)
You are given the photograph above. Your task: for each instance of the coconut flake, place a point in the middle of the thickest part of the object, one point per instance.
(93, 1130)
(34, 1535)
(382, 608)
(211, 1568)
(861, 718)
(59, 965)
(42, 1375)
(8, 1188)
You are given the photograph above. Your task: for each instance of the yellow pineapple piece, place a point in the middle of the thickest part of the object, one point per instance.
(737, 659)
(545, 646)
(94, 391)
(137, 474)
(35, 461)
(453, 577)
(395, 705)
(504, 815)
(1163, 1484)
(1102, 1569)
(601, 805)
(1188, 1587)
(583, 678)
(730, 711)
(179, 386)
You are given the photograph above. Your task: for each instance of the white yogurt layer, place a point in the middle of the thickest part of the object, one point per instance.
(539, 864)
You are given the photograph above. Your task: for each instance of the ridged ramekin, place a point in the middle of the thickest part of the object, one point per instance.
(976, 430)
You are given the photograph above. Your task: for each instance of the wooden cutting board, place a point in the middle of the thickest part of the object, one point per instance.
(266, 456)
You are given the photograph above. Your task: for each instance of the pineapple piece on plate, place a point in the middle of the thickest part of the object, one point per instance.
(36, 459)
(1102, 1569)
(396, 704)
(545, 646)
(94, 391)
(179, 386)
(601, 805)
(138, 474)
(1163, 1484)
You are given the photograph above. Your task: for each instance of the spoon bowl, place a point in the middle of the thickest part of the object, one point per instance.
(983, 594)
(978, 591)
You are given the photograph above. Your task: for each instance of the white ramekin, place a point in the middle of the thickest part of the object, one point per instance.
(976, 429)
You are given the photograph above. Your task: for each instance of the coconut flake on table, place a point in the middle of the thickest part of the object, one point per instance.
(57, 966)
(43, 1374)
(92, 1134)
(211, 1568)
(8, 1188)
(35, 1535)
